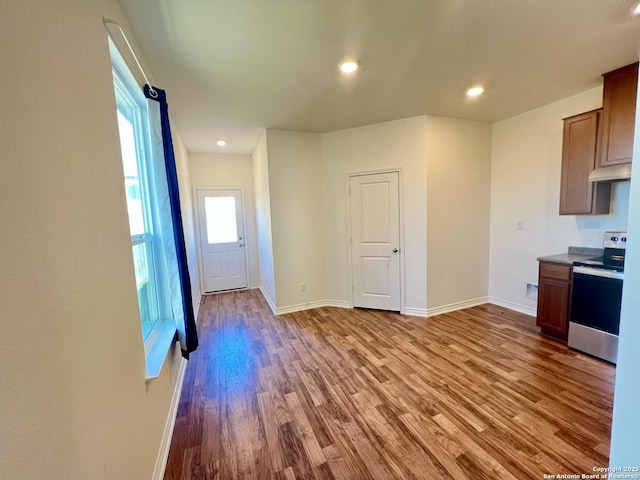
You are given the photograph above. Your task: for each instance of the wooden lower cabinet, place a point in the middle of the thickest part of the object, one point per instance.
(554, 293)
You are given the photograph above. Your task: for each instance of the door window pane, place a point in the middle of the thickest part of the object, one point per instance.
(221, 219)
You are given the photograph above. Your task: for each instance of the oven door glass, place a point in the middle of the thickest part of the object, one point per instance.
(595, 302)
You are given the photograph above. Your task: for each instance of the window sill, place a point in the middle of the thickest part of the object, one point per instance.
(157, 346)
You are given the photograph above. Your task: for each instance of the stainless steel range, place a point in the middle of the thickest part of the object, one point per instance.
(596, 299)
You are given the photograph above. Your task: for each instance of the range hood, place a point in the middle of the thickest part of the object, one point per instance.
(611, 173)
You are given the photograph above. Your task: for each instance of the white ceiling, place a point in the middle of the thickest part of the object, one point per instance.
(234, 67)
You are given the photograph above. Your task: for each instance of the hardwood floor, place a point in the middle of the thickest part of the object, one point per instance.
(363, 394)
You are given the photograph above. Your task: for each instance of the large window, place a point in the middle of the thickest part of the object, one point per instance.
(133, 124)
(155, 222)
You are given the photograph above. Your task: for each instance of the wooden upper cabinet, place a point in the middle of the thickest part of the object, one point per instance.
(579, 196)
(619, 113)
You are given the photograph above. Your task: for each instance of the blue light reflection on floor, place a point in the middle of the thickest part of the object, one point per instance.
(232, 358)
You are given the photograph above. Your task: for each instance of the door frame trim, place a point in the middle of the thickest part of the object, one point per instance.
(348, 177)
(196, 222)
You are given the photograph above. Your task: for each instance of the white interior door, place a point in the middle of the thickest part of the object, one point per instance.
(222, 239)
(375, 240)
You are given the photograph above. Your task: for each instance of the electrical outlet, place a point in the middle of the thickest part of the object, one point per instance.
(303, 287)
(520, 225)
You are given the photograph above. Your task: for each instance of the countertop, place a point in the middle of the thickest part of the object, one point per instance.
(575, 254)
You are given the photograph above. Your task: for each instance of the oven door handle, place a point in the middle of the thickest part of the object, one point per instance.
(599, 272)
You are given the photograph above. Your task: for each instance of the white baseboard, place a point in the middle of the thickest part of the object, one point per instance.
(452, 307)
(266, 296)
(254, 285)
(301, 306)
(415, 312)
(309, 305)
(513, 306)
(163, 453)
(338, 303)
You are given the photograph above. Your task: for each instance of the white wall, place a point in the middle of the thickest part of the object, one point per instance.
(398, 144)
(297, 224)
(309, 208)
(458, 205)
(263, 220)
(231, 171)
(625, 434)
(74, 400)
(525, 185)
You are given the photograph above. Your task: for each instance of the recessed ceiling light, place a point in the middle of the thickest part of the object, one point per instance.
(349, 66)
(636, 9)
(475, 91)
(221, 143)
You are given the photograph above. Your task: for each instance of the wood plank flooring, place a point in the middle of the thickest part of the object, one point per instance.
(362, 394)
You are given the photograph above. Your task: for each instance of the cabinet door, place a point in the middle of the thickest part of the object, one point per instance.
(553, 307)
(579, 196)
(619, 114)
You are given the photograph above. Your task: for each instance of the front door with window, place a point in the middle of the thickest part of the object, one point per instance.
(222, 240)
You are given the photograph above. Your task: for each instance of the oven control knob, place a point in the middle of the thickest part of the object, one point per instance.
(614, 239)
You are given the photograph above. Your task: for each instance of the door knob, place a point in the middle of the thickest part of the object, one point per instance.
(395, 250)
(241, 244)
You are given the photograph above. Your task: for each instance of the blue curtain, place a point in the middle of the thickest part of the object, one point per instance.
(183, 310)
